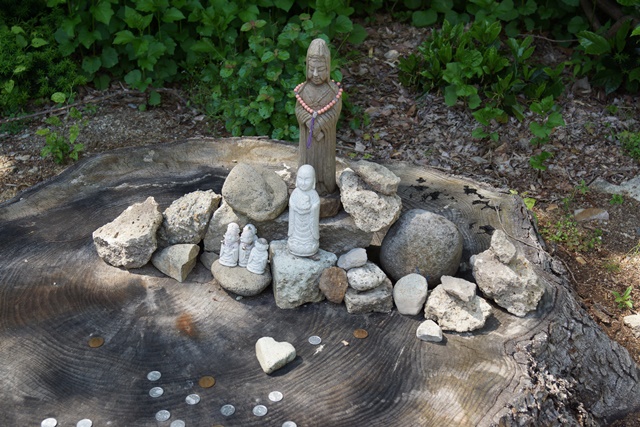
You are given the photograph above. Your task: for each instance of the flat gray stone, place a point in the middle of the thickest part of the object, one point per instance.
(365, 278)
(176, 261)
(459, 288)
(453, 314)
(410, 294)
(187, 218)
(429, 331)
(273, 355)
(207, 258)
(239, 280)
(377, 177)
(378, 300)
(129, 240)
(354, 258)
(295, 279)
(633, 322)
(255, 192)
(629, 188)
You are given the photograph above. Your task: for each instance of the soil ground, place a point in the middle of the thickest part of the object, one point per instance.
(600, 256)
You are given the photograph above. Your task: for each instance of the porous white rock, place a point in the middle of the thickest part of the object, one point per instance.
(371, 211)
(454, 314)
(273, 355)
(502, 247)
(377, 177)
(129, 240)
(633, 321)
(365, 278)
(295, 279)
(514, 286)
(421, 242)
(255, 191)
(459, 288)
(429, 331)
(410, 294)
(239, 280)
(356, 257)
(176, 261)
(187, 218)
(378, 300)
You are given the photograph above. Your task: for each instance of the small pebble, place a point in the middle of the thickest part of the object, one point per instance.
(163, 415)
(49, 422)
(260, 410)
(154, 376)
(192, 399)
(315, 340)
(275, 396)
(228, 410)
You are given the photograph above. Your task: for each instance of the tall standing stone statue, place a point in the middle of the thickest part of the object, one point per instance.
(319, 101)
(230, 247)
(304, 215)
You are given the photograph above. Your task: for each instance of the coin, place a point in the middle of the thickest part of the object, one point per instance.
(275, 396)
(95, 342)
(289, 424)
(178, 423)
(360, 333)
(49, 422)
(163, 415)
(154, 376)
(156, 392)
(84, 423)
(259, 410)
(228, 410)
(315, 340)
(207, 381)
(192, 399)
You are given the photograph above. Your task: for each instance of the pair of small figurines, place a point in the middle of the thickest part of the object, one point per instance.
(244, 250)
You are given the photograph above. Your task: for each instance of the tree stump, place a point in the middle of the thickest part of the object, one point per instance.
(59, 300)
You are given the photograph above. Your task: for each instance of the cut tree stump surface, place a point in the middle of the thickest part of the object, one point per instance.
(56, 294)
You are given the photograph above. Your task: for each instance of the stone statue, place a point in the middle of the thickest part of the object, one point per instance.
(230, 247)
(319, 101)
(304, 215)
(259, 257)
(247, 239)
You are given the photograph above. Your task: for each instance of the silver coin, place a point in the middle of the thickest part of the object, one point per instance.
(178, 423)
(84, 423)
(154, 375)
(315, 340)
(156, 392)
(49, 422)
(275, 396)
(228, 410)
(259, 410)
(192, 399)
(163, 415)
(289, 424)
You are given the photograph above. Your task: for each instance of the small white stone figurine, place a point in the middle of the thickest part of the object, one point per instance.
(304, 214)
(230, 247)
(259, 257)
(247, 240)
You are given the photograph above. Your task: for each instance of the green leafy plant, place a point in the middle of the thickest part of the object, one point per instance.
(624, 299)
(568, 233)
(616, 199)
(550, 119)
(61, 136)
(630, 142)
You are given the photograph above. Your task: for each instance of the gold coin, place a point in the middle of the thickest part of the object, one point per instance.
(360, 333)
(207, 381)
(95, 342)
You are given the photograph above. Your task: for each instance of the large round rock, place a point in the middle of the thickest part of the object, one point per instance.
(424, 243)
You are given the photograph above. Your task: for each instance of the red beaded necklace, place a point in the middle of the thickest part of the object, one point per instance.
(316, 113)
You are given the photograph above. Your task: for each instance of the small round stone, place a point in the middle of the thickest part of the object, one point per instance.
(156, 392)
(95, 342)
(163, 415)
(289, 424)
(259, 410)
(154, 375)
(360, 333)
(84, 423)
(207, 381)
(315, 340)
(192, 399)
(228, 410)
(49, 422)
(275, 396)
(178, 423)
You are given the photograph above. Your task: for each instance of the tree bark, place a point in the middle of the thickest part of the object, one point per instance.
(553, 367)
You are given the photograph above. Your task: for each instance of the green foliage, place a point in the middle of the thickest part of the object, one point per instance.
(568, 233)
(624, 299)
(61, 136)
(630, 142)
(616, 199)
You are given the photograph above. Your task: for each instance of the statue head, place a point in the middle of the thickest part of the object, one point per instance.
(248, 233)
(318, 62)
(306, 179)
(233, 233)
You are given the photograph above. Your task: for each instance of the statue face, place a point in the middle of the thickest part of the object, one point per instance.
(306, 178)
(317, 71)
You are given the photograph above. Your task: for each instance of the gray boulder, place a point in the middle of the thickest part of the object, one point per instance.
(129, 240)
(365, 278)
(186, 220)
(429, 331)
(378, 178)
(176, 261)
(454, 314)
(378, 300)
(356, 257)
(410, 293)
(256, 192)
(424, 243)
(239, 280)
(371, 211)
(513, 285)
(295, 279)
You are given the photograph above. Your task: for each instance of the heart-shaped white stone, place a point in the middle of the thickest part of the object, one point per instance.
(273, 355)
